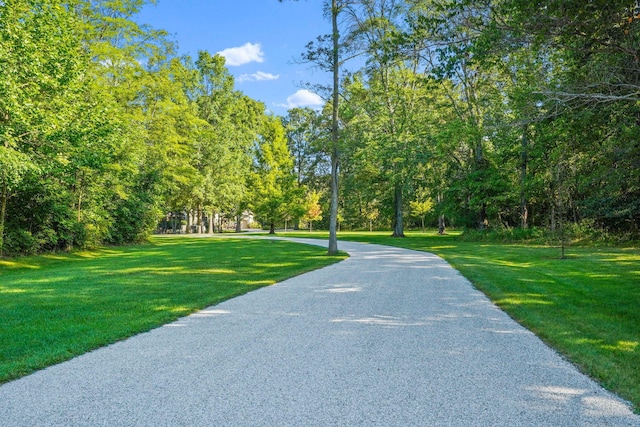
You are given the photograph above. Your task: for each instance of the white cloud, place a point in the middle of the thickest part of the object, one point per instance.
(303, 98)
(257, 77)
(244, 54)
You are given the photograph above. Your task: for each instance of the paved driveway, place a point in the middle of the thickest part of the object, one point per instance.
(389, 337)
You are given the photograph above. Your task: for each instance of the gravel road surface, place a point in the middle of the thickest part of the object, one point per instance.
(389, 337)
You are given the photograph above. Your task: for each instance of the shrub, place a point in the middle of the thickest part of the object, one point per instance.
(20, 242)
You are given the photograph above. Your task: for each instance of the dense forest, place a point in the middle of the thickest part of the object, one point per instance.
(490, 114)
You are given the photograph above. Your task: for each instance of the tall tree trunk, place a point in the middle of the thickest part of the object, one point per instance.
(79, 215)
(188, 230)
(211, 230)
(441, 224)
(239, 223)
(480, 167)
(199, 220)
(333, 218)
(272, 228)
(398, 226)
(524, 211)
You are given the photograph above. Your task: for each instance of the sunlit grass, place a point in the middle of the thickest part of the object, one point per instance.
(54, 307)
(586, 306)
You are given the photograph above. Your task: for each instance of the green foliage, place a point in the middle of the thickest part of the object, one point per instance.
(420, 209)
(533, 235)
(273, 184)
(20, 242)
(102, 130)
(502, 112)
(306, 138)
(312, 208)
(519, 125)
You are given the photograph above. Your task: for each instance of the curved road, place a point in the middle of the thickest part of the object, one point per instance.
(389, 337)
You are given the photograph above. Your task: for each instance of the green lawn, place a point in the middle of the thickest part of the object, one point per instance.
(586, 306)
(55, 307)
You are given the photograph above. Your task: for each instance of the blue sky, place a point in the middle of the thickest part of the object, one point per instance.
(259, 38)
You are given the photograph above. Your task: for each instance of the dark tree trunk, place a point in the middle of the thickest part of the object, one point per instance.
(199, 220)
(272, 228)
(441, 224)
(524, 211)
(398, 226)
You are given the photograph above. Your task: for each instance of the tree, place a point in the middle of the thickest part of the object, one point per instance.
(313, 210)
(223, 150)
(272, 181)
(330, 60)
(42, 62)
(420, 208)
(305, 134)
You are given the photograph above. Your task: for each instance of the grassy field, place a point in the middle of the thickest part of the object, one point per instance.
(55, 307)
(586, 306)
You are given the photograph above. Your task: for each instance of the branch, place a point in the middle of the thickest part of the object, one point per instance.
(561, 96)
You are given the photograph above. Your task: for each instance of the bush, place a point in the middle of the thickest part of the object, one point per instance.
(47, 239)
(20, 242)
(507, 235)
(582, 233)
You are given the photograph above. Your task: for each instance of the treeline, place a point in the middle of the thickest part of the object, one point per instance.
(104, 130)
(488, 114)
(481, 114)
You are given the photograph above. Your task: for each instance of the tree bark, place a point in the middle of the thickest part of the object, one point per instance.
(239, 223)
(398, 226)
(524, 211)
(79, 216)
(441, 224)
(199, 220)
(333, 217)
(272, 228)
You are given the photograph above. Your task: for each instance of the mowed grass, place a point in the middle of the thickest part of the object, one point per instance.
(586, 306)
(55, 307)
